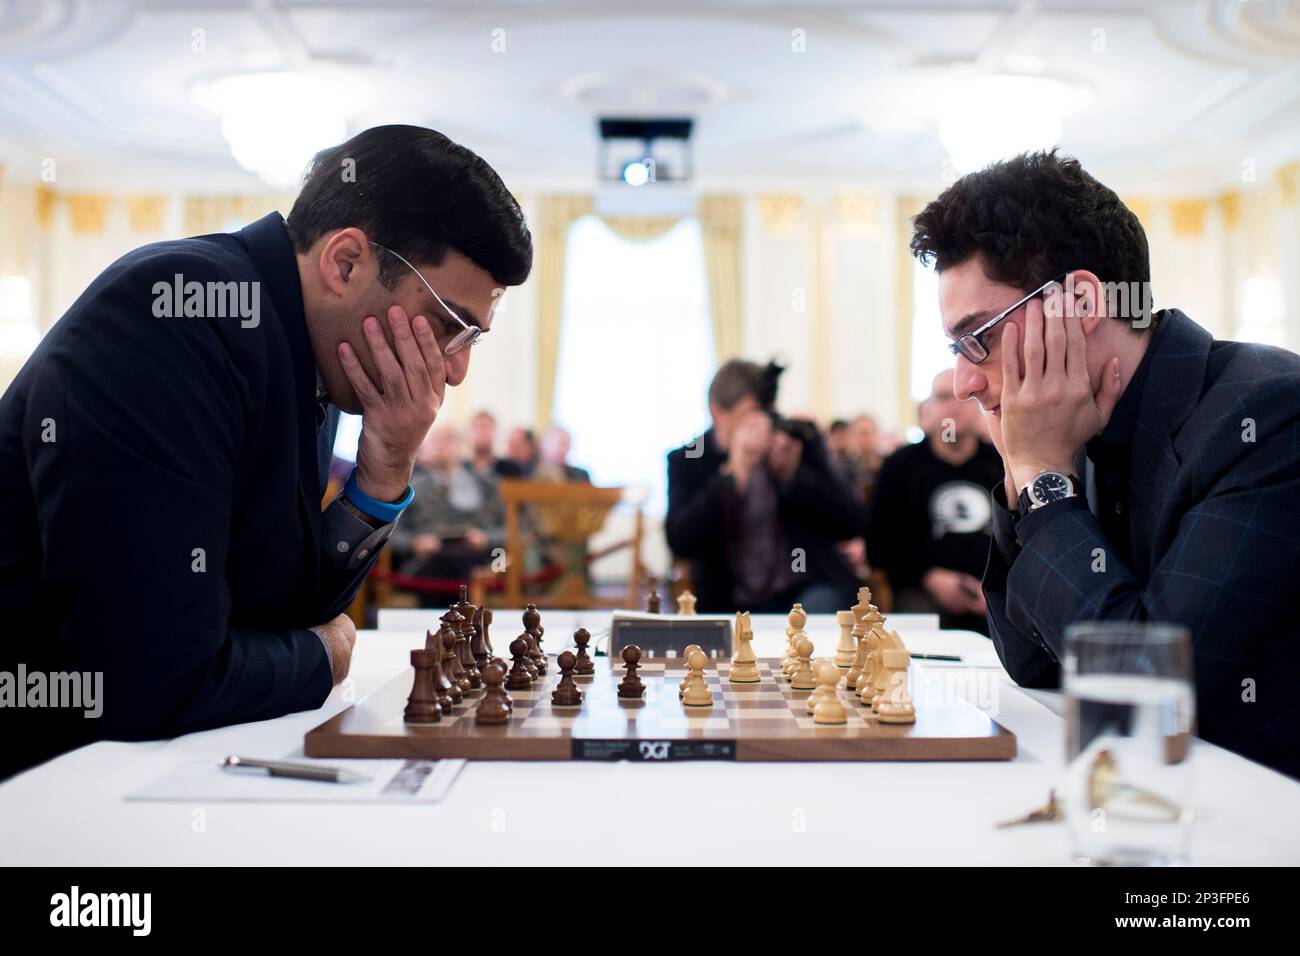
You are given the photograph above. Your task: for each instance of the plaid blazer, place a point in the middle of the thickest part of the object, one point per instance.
(1215, 521)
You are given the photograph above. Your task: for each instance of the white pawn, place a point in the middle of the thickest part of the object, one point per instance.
(697, 693)
(794, 624)
(822, 691)
(801, 678)
(829, 710)
(681, 688)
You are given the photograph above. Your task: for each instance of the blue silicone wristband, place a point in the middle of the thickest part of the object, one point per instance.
(381, 510)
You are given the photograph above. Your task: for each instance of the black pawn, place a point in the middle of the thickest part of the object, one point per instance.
(652, 599)
(566, 693)
(585, 666)
(519, 678)
(505, 697)
(631, 687)
(492, 709)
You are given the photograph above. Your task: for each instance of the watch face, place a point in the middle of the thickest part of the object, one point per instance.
(1051, 486)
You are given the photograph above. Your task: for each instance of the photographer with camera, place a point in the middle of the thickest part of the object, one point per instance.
(756, 506)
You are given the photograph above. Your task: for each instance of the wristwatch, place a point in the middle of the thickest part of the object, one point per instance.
(1048, 486)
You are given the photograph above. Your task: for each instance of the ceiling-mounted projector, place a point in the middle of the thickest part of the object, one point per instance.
(644, 150)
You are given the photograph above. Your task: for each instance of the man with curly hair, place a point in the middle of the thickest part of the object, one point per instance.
(1151, 472)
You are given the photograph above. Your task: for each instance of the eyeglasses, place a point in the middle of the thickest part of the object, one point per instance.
(971, 344)
(468, 336)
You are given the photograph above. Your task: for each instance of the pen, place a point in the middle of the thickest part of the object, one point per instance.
(936, 657)
(299, 771)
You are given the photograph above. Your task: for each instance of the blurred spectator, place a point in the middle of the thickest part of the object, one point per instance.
(521, 450)
(755, 504)
(553, 461)
(837, 440)
(862, 458)
(455, 519)
(930, 518)
(482, 449)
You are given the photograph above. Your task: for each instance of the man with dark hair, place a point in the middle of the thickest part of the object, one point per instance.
(163, 459)
(756, 507)
(1150, 472)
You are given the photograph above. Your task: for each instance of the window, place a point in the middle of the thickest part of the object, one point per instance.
(930, 354)
(636, 353)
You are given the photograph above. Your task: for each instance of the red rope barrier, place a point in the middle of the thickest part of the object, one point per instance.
(410, 582)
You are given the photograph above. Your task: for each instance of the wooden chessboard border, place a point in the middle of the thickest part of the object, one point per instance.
(743, 724)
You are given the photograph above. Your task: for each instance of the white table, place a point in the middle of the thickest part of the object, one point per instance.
(71, 811)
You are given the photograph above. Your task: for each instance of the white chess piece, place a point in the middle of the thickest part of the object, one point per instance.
(686, 603)
(896, 700)
(822, 690)
(681, 688)
(744, 665)
(829, 710)
(801, 678)
(848, 647)
(697, 693)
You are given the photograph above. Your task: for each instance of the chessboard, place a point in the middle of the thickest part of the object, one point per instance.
(762, 721)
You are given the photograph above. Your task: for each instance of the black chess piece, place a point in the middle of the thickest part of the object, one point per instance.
(585, 666)
(519, 678)
(631, 687)
(533, 628)
(422, 706)
(492, 709)
(566, 693)
(485, 615)
(505, 696)
(652, 599)
(455, 667)
(441, 685)
(448, 638)
(465, 630)
(478, 641)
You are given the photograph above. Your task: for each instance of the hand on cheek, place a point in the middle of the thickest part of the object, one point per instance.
(1049, 410)
(399, 405)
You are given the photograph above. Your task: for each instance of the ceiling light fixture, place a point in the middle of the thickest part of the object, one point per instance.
(276, 122)
(990, 117)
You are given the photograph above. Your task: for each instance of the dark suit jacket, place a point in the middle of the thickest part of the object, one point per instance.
(814, 508)
(173, 438)
(1215, 521)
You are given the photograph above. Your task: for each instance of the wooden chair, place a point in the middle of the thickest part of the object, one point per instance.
(568, 513)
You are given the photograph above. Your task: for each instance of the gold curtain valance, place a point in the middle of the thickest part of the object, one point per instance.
(88, 213)
(857, 215)
(1188, 216)
(44, 206)
(782, 215)
(1287, 178)
(1230, 209)
(146, 213)
(640, 228)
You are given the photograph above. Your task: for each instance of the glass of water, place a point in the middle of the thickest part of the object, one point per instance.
(1130, 710)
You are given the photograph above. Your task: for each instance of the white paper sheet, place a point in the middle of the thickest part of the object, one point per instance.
(392, 781)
